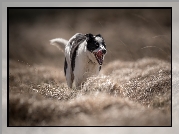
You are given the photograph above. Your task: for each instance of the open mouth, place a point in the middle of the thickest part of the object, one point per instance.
(99, 57)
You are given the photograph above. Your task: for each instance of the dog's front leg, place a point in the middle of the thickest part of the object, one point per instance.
(78, 82)
(69, 77)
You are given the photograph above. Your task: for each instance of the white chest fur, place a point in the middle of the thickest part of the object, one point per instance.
(84, 67)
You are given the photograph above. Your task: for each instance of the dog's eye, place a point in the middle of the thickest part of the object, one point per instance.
(97, 44)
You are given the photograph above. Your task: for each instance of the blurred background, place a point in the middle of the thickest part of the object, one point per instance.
(130, 34)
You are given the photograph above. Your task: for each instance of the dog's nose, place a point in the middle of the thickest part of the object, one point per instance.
(104, 51)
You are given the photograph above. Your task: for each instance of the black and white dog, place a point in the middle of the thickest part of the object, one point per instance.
(84, 55)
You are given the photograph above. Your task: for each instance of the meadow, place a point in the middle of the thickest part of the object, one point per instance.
(132, 89)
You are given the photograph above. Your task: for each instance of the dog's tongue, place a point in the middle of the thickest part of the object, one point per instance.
(99, 57)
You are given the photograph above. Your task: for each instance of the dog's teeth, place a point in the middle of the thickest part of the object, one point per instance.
(99, 57)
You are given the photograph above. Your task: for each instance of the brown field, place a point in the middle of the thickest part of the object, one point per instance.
(134, 85)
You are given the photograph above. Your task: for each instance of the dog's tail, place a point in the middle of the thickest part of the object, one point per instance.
(59, 43)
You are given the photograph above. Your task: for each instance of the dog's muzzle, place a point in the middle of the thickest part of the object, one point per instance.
(100, 56)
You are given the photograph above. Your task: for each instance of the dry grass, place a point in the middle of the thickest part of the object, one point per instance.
(134, 85)
(133, 95)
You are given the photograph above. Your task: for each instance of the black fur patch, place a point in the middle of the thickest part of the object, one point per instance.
(73, 58)
(92, 43)
(65, 66)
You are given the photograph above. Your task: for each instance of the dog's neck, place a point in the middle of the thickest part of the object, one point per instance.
(91, 62)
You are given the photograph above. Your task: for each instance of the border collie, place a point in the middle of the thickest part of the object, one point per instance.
(84, 55)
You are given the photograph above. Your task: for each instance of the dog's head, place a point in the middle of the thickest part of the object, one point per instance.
(97, 47)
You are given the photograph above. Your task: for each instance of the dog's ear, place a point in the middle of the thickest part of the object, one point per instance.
(89, 36)
(99, 35)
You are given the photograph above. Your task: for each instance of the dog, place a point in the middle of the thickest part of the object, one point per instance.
(84, 56)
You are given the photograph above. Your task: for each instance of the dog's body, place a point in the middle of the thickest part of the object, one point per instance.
(84, 55)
